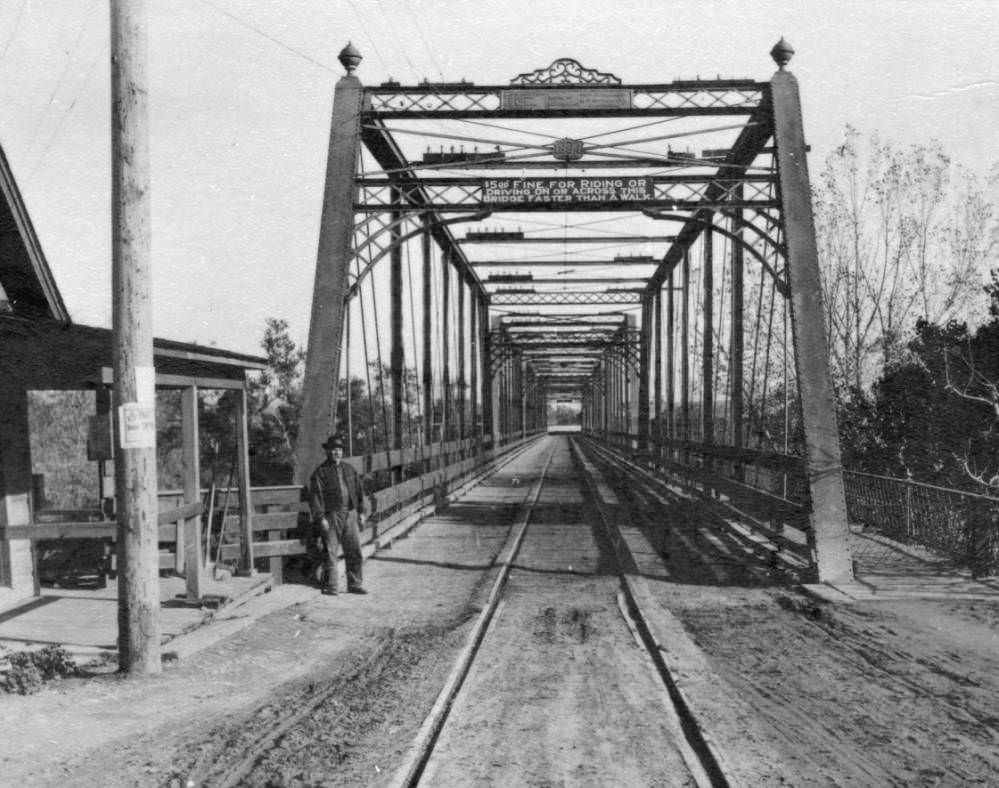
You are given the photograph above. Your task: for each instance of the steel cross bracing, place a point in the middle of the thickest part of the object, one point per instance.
(555, 344)
(556, 97)
(528, 297)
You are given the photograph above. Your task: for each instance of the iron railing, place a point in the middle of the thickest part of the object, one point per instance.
(964, 526)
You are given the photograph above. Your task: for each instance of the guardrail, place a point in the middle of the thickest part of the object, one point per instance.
(422, 476)
(749, 482)
(773, 487)
(766, 485)
(961, 525)
(281, 522)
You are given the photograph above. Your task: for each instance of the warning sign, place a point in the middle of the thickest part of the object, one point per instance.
(530, 191)
(137, 426)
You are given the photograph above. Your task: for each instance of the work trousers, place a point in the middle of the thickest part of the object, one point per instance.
(343, 532)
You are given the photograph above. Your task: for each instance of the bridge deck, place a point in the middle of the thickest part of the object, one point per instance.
(673, 543)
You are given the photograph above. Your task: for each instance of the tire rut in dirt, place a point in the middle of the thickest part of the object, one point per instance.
(382, 690)
(897, 711)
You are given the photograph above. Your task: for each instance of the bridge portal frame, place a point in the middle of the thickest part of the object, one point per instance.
(772, 109)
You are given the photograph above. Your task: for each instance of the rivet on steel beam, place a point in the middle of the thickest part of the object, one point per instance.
(349, 57)
(782, 53)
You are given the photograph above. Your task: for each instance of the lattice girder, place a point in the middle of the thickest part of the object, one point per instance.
(689, 193)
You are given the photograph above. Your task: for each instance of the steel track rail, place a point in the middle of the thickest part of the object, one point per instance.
(410, 773)
(697, 753)
(708, 767)
(260, 745)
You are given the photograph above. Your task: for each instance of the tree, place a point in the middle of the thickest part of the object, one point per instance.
(903, 234)
(936, 414)
(371, 423)
(275, 404)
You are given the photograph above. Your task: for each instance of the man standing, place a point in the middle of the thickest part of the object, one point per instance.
(336, 500)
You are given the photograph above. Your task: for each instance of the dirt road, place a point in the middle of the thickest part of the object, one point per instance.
(900, 693)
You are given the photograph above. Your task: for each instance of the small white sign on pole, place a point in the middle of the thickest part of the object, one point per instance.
(137, 425)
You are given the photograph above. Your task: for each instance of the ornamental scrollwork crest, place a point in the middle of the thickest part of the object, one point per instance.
(565, 71)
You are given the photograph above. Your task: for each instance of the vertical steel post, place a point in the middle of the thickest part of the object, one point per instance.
(738, 339)
(446, 328)
(193, 569)
(132, 339)
(488, 406)
(243, 484)
(605, 399)
(829, 532)
(658, 361)
(511, 424)
(707, 336)
(336, 234)
(633, 380)
(397, 357)
(621, 408)
(522, 370)
(428, 335)
(670, 359)
(506, 428)
(644, 354)
(474, 335)
(347, 404)
(613, 408)
(501, 373)
(685, 355)
(462, 330)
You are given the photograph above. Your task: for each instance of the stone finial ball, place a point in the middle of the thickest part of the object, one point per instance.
(782, 52)
(349, 57)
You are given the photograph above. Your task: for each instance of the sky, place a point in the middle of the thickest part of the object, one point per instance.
(241, 95)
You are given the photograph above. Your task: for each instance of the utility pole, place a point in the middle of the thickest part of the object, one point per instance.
(134, 376)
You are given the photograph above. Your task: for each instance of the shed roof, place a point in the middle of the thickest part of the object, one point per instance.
(62, 353)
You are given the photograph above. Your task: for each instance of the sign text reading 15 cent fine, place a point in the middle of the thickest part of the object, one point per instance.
(565, 190)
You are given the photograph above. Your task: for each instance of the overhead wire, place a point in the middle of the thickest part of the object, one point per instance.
(512, 129)
(69, 110)
(263, 34)
(14, 28)
(70, 53)
(462, 138)
(364, 29)
(399, 43)
(423, 38)
(410, 166)
(658, 122)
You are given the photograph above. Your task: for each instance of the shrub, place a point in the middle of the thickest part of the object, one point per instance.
(30, 669)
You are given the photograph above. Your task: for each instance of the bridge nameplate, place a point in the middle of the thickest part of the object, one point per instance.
(519, 191)
(566, 99)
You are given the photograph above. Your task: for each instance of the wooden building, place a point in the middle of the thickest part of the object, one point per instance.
(42, 349)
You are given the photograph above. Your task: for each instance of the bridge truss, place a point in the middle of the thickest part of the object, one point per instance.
(703, 353)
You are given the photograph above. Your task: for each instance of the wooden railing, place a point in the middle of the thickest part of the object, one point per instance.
(280, 520)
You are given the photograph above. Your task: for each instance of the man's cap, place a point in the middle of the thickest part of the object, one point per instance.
(333, 442)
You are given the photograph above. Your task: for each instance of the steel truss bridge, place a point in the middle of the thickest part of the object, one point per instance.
(644, 253)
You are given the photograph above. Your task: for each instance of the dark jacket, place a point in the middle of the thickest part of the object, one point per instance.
(324, 491)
